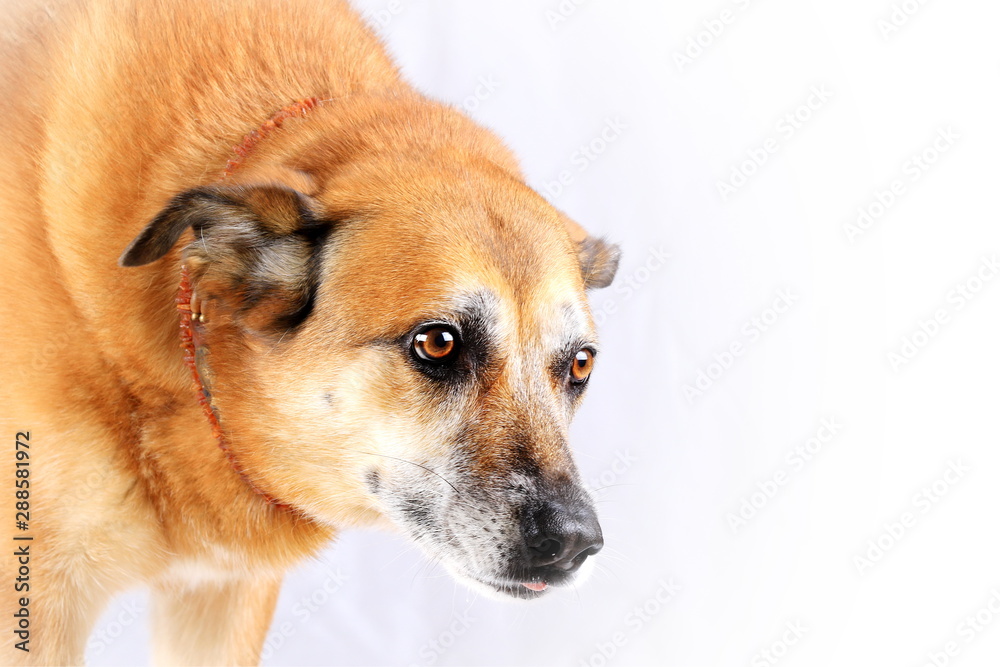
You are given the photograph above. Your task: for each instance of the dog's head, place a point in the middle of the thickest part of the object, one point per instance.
(397, 327)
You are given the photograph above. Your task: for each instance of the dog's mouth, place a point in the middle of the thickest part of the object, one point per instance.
(530, 587)
(523, 590)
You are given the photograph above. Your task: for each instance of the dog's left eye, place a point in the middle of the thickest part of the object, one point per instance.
(583, 364)
(437, 344)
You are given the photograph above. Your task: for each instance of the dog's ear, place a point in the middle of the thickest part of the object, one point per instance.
(598, 258)
(254, 249)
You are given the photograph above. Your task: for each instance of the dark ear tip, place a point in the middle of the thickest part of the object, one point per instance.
(128, 259)
(599, 261)
(159, 236)
(614, 256)
(138, 252)
(607, 276)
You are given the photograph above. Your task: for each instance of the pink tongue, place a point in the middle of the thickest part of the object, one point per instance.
(541, 586)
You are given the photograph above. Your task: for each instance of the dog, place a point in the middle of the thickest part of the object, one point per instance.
(258, 291)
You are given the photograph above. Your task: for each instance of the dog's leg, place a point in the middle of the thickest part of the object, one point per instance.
(212, 623)
(59, 623)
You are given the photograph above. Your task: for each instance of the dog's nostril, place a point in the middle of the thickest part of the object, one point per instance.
(548, 548)
(562, 535)
(591, 550)
(585, 545)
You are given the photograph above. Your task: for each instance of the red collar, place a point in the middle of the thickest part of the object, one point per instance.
(188, 331)
(189, 345)
(298, 109)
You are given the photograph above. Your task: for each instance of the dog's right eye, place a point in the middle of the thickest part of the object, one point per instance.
(437, 344)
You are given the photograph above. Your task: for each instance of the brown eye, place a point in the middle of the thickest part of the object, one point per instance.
(583, 364)
(436, 344)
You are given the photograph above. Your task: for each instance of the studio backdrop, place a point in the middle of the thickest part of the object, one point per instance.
(791, 429)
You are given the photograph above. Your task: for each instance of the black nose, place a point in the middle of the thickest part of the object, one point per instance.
(561, 535)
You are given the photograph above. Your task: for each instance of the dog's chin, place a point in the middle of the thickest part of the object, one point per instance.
(499, 589)
(496, 589)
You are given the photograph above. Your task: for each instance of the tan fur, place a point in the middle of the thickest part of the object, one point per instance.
(112, 107)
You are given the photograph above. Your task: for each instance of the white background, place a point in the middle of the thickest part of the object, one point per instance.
(683, 466)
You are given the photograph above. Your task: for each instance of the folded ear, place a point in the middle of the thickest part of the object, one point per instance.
(598, 258)
(255, 250)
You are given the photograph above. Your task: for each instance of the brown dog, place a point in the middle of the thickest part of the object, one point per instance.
(387, 325)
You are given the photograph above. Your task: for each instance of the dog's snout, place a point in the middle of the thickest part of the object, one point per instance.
(562, 535)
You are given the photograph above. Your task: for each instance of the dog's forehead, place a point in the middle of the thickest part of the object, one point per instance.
(387, 296)
(552, 315)
(510, 266)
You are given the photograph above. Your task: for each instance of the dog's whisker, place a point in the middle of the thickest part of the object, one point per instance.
(412, 463)
(614, 555)
(283, 336)
(403, 551)
(611, 486)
